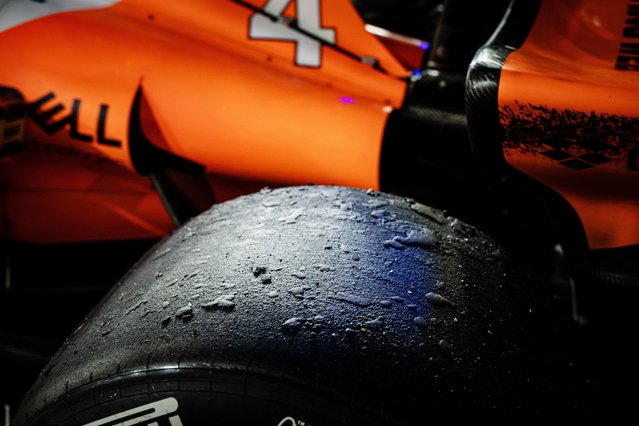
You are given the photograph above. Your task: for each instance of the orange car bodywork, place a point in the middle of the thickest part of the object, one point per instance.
(210, 92)
(240, 104)
(569, 100)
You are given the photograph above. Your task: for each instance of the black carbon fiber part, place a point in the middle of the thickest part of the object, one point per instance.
(482, 83)
(482, 109)
(486, 132)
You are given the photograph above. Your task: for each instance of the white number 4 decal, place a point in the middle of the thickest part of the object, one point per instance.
(308, 51)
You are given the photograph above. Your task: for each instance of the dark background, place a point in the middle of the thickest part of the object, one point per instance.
(46, 291)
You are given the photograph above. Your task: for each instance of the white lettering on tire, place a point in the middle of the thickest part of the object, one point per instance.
(143, 414)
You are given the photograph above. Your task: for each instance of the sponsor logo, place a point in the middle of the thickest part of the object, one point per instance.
(12, 118)
(628, 57)
(48, 114)
(43, 116)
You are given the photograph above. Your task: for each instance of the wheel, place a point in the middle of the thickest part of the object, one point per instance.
(305, 306)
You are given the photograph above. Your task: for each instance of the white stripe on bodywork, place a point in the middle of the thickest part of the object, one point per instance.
(18, 12)
(159, 408)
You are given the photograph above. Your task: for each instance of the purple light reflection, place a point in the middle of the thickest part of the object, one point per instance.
(424, 45)
(347, 100)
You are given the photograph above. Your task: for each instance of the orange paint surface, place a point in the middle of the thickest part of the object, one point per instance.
(238, 106)
(56, 195)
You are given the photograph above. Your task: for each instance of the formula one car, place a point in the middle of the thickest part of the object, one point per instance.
(454, 233)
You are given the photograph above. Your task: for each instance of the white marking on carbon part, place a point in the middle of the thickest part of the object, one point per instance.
(158, 409)
(18, 12)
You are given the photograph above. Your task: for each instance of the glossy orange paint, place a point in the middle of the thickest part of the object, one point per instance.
(57, 194)
(567, 69)
(210, 93)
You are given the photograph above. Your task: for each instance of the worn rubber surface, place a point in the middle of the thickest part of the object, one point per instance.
(326, 305)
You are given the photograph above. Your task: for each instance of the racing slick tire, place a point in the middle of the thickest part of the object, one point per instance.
(305, 306)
